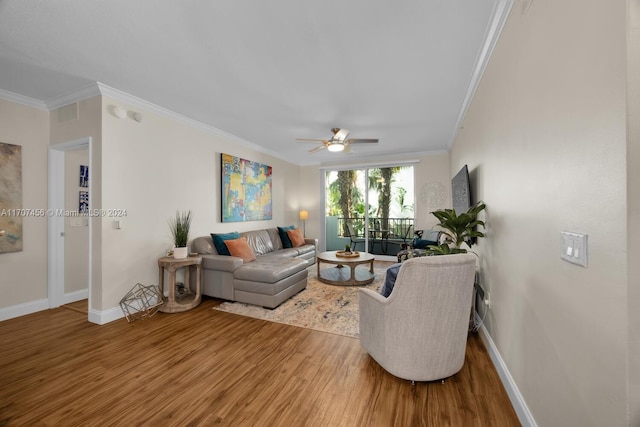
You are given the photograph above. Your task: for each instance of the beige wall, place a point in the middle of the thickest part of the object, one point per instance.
(154, 167)
(432, 188)
(545, 139)
(24, 274)
(633, 201)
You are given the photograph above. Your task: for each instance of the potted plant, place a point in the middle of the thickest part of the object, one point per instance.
(179, 226)
(457, 229)
(347, 249)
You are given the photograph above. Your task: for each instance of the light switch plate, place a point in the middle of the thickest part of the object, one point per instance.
(574, 248)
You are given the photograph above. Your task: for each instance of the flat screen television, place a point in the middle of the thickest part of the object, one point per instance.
(461, 191)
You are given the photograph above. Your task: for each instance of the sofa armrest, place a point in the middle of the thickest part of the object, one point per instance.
(221, 262)
(311, 241)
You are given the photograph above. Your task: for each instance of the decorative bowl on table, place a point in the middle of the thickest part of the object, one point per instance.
(345, 254)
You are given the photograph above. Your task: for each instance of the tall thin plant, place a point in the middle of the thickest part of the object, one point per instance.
(179, 226)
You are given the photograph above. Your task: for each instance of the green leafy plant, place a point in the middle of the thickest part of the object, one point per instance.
(347, 248)
(179, 226)
(457, 229)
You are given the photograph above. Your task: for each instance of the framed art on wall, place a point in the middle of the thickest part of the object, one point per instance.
(11, 211)
(246, 190)
(83, 202)
(84, 176)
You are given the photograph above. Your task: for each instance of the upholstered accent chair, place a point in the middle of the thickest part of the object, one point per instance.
(419, 333)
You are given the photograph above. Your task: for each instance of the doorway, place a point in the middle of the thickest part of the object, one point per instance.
(65, 203)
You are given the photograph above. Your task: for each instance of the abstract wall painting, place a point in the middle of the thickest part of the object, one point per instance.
(246, 190)
(11, 211)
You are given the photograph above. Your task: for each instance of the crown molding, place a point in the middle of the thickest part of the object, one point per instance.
(134, 101)
(88, 91)
(500, 13)
(21, 99)
(96, 89)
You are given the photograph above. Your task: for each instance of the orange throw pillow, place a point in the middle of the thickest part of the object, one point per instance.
(240, 248)
(296, 237)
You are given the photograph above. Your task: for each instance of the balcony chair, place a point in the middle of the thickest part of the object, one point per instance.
(419, 333)
(353, 237)
(380, 236)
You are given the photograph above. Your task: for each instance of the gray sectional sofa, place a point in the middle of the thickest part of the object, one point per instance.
(277, 274)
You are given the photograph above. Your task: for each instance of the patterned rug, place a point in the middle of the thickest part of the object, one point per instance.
(322, 307)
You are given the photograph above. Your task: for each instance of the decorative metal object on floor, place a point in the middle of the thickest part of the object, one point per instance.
(141, 302)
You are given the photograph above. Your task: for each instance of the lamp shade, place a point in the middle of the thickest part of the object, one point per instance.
(304, 215)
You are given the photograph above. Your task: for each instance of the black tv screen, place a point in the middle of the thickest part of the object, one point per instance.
(461, 191)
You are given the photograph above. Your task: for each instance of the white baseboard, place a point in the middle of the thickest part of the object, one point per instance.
(519, 405)
(7, 313)
(106, 316)
(75, 296)
(95, 316)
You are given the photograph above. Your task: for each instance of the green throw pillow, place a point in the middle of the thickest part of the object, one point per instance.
(218, 241)
(286, 241)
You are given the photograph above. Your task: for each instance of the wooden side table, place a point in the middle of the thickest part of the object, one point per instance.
(171, 265)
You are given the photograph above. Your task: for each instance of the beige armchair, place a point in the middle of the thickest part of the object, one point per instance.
(419, 332)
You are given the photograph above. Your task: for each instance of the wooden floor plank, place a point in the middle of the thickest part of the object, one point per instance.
(207, 367)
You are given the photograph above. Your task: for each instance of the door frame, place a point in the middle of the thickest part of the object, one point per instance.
(56, 219)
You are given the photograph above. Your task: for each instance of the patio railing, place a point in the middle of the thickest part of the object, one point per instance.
(385, 231)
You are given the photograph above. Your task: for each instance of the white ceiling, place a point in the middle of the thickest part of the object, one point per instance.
(267, 72)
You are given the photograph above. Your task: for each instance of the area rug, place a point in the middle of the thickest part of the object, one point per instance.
(321, 307)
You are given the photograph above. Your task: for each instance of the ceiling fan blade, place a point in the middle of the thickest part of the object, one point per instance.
(311, 140)
(359, 140)
(318, 148)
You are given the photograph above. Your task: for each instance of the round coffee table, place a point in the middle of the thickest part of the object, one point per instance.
(342, 276)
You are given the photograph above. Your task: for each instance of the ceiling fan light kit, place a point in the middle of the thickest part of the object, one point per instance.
(338, 141)
(335, 147)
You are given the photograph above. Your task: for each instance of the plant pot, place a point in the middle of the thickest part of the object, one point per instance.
(180, 253)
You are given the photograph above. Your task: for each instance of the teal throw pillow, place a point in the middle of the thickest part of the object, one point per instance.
(286, 241)
(218, 241)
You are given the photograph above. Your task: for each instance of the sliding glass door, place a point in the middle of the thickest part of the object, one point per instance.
(369, 209)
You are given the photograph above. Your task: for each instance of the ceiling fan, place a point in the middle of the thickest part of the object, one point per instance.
(338, 141)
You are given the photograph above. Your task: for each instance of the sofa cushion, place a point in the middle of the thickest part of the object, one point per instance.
(240, 248)
(296, 237)
(219, 239)
(259, 240)
(270, 269)
(305, 249)
(274, 235)
(286, 242)
(202, 245)
(283, 253)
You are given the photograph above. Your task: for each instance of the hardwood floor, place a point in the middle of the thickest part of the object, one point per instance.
(206, 367)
